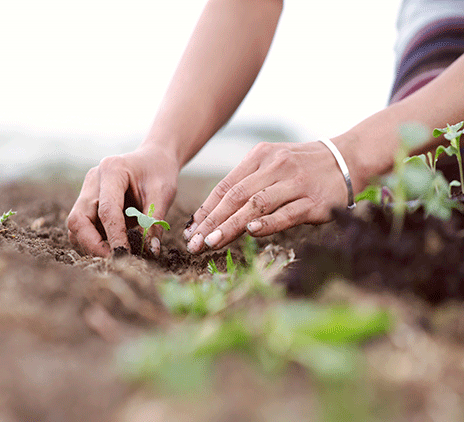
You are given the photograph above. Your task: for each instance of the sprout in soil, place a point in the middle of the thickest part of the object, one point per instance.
(6, 215)
(453, 134)
(146, 221)
(415, 180)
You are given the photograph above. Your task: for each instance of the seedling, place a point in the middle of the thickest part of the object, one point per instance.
(230, 265)
(415, 180)
(6, 215)
(146, 221)
(453, 134)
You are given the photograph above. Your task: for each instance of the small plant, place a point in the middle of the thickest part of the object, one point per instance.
(212, 267)
(453, 134)
(146, 221)
(230, 265)
(6, 215)
(415, 180)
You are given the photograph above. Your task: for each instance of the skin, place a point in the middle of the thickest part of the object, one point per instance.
(276, 186)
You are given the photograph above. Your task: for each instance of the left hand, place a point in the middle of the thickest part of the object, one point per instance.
(275, 187)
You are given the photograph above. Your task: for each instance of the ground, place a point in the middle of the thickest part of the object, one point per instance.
(64, 317)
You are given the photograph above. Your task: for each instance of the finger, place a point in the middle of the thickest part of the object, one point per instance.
(83, 218)
(289, 215)
(263, 202)
(232, 201)
(83, 233)
(113, 186)
(245, 168)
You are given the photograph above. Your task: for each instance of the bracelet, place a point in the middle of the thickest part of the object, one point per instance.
(343, 167)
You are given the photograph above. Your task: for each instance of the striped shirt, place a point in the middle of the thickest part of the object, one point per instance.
(430, 38)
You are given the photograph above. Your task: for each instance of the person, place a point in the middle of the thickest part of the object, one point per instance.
(277, 185)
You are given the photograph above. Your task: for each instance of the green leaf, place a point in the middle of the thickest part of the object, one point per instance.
(417, 159)
(231, 267)
(455, 127)
(132, 212)
(327, 361)
(163, 224)
(151, 210)
(371, 193)
(417, 181)
(414, 135)
(438, 132)
(6, 215)
(145, 221)
(222, 336)
(212, 267)
(436, 207)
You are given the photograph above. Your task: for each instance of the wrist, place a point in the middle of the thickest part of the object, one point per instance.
(162, 146)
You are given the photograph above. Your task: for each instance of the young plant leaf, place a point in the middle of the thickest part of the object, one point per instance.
(6, 215)
(146, 221)
(212, 267)
(231, 267)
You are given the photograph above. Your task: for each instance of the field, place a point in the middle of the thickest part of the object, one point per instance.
(356, 328)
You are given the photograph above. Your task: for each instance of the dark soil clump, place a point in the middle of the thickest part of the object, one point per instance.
(427, 259)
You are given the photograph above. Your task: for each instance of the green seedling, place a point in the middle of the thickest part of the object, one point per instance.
(412, 136)
(415, 180)
(6, 215)
(146, 221)
(212, 267)
(230, 265)
(453, 134)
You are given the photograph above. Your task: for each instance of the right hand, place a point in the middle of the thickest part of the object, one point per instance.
(148, 175)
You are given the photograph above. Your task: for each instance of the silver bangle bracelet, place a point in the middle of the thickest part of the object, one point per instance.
(343, 167)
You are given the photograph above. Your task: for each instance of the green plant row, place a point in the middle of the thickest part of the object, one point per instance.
(415, 181)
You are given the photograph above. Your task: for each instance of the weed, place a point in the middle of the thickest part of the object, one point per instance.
(146, 221)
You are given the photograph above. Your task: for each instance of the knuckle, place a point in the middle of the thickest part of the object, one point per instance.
(92, 173)
(283, 156)
(74, 222)
(236, 224)
(260, 201)
(262, 148)
(299, 179)
(111, 162)
(104, 211)
(290, 213)
(210, 223)
(222, 188)
(237, 195)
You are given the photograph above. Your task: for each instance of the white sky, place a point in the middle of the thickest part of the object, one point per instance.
(100, 67)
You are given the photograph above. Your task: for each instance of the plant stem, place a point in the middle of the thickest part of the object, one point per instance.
(461, 175)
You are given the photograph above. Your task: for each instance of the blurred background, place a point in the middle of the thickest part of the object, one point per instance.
(81, 80)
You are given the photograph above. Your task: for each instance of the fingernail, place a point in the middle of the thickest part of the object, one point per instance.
(189, 230)
(196, 244)
(214, 238)
(155, 246)
(254, 226)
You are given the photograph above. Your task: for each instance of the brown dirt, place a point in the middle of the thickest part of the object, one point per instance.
(63, 316)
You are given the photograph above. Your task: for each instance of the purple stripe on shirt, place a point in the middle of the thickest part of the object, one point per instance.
(429, 53)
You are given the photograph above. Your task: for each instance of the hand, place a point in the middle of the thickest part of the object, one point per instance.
(97, 224)
(275, 187)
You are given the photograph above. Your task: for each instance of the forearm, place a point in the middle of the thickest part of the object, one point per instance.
(370, 147)
(221, 62)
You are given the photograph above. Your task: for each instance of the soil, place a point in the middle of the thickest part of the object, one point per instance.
(64, 315)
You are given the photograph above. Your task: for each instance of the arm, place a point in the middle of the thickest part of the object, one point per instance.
(221, 62)
(278, 186)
